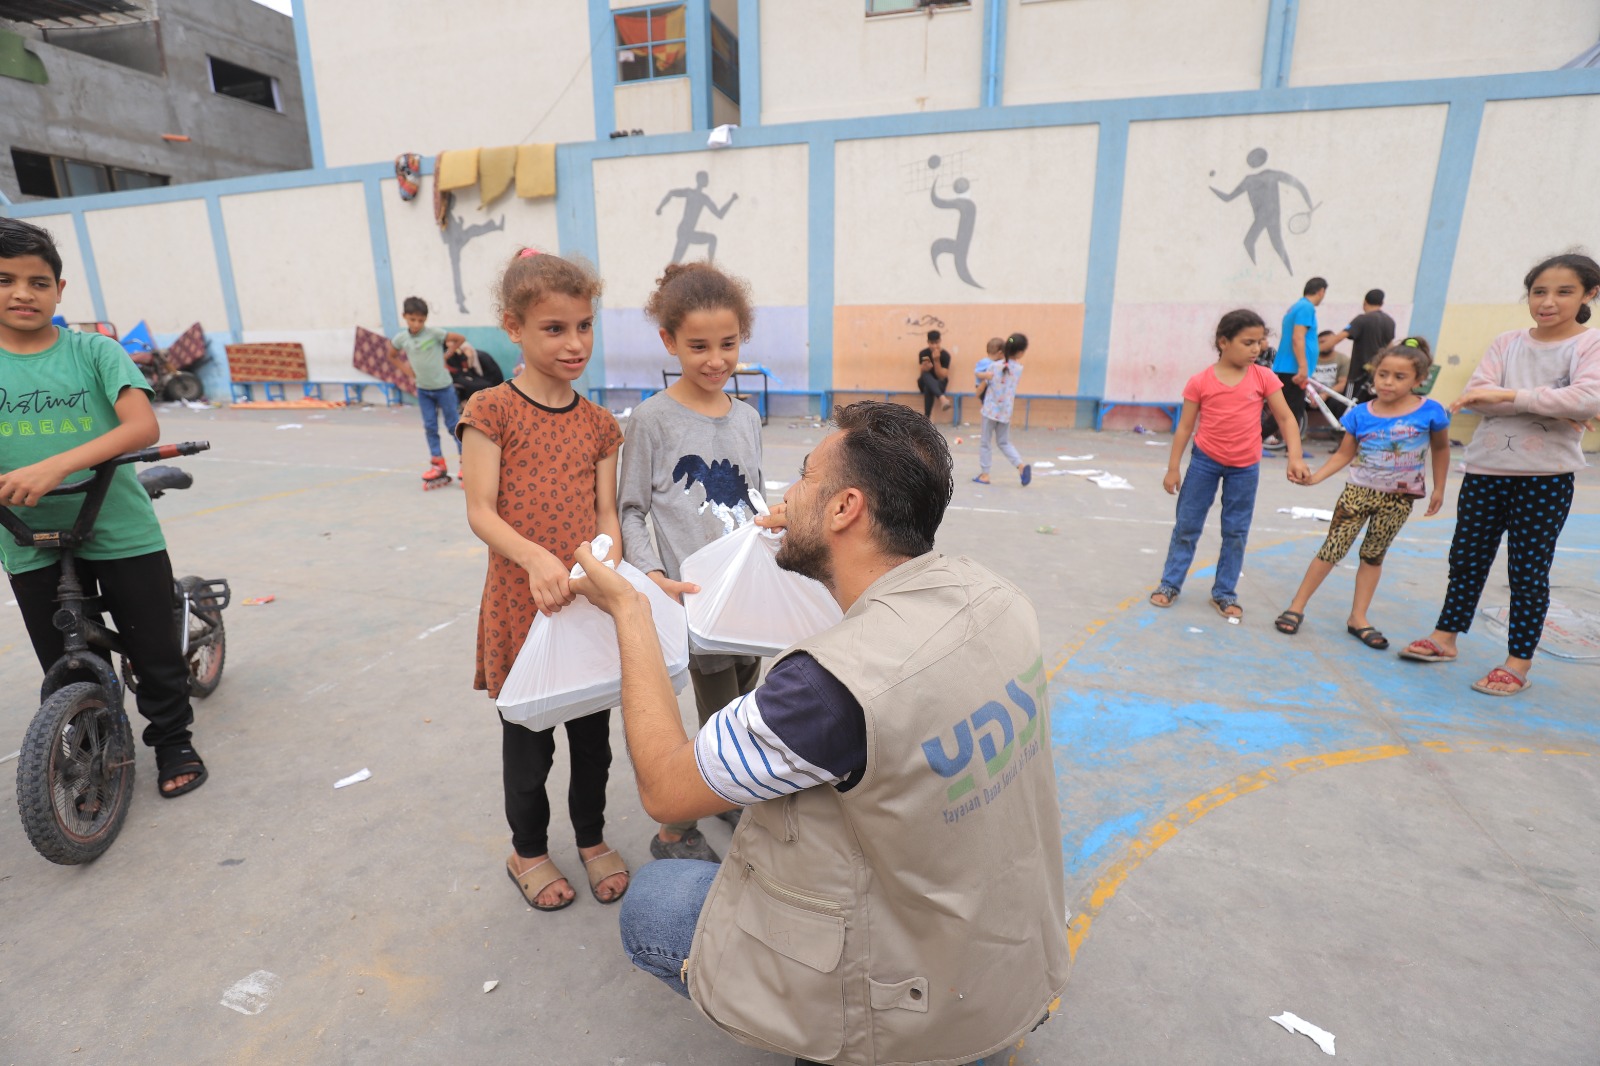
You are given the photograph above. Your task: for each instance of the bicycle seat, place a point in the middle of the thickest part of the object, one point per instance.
(158, 479)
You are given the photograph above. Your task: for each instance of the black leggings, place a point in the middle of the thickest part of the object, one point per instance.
(1529, 512)
(526, 756)
(137, 592)
(1293, 395)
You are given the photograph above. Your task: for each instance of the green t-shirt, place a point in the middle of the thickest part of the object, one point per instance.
(425, 349)
(53, 401)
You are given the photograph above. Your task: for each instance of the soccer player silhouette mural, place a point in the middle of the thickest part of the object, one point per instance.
(1264, 191)
(695, 200)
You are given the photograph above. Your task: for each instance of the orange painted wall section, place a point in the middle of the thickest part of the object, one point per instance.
(875, 346)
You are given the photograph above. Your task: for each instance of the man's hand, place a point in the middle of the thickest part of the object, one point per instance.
(675, 589)
(1172, 482)
(26, 486)
(777, 518)
(603, 586)
(1301, 378)
(548, 580)
(1435, 502)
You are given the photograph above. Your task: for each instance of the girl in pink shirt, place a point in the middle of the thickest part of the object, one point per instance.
(1225, 400)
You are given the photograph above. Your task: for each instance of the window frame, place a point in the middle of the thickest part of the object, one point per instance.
(272, 83)
(716, 25)
(648, 46)
(110, 171)
(918, 7)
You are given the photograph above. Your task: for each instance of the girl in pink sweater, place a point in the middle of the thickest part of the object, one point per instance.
(1535, 388)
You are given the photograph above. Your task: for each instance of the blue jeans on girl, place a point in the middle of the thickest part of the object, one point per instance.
(1198, 492)
(432, 403)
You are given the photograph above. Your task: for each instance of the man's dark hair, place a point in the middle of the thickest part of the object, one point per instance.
(415, 305)
(902, 464)
(934, 336)
(1375, 297)
(19, 238)
(1314, 286)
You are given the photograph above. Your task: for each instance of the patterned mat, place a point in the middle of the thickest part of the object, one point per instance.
(188, 349)
(374, 355)
(267, 362)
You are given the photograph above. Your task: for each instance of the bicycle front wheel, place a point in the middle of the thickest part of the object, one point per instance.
(75, 774)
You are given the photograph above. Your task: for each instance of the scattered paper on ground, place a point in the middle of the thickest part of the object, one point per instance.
(1084, 473)
(1155, 444)
(291, 425)
(358, 776)
(1307, 512)
(250, 995)
(1571, 627)
(1111, 481)
(1296, 1024)
(1043, 465)
(490, 986)
(1074, 458)
(777, 486)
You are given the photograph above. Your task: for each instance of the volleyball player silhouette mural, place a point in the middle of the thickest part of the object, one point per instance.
(959, 246)
(1264, 192)
(695, 201)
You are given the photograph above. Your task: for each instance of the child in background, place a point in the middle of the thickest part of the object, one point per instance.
(92, 388)
(693, 432)
(427, 350)
(1387, 439)
(984, 371)
(1536, 388)
(1225, 400)
(998, 400)
(544, 480)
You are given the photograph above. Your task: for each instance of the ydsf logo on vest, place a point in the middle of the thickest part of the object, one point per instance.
(998, 740)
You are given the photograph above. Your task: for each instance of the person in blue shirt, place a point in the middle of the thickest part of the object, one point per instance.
(1295, 347)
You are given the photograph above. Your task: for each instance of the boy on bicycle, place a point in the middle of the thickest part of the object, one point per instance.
(68, 401)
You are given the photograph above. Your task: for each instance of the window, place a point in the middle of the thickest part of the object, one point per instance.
(895, 7)
(651, 43)
(724, 60)
(242, 83)
(51, 176)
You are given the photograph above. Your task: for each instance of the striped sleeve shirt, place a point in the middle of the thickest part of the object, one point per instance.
(800, 729)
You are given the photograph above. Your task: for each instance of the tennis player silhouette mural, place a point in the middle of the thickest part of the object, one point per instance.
(1264, 190)
(695, 201)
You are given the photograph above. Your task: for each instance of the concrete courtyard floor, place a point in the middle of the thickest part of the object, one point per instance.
(1253, 824)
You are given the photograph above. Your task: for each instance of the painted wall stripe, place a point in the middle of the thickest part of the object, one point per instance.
(749, 63)
(697, 15)
(1277, 50)
(819, 262)
(91, 273)
(1105, 237)
(994, 51)
(308, 84)
(577, 228)
(219, 243)
(603, 68)
(382, 267)
(1450, 184)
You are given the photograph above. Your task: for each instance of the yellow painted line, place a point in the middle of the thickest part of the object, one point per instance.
(1073, 647)
(276, 496)
(1093, 901)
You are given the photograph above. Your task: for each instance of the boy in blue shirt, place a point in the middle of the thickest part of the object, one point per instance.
(428, 349)
(68, 401)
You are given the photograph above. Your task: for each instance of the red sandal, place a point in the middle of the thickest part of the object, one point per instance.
(1501, 676)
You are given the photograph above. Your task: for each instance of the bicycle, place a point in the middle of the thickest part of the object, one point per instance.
(75, 770)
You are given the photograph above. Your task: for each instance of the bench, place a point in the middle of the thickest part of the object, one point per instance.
(1105, 407)
(277, 391)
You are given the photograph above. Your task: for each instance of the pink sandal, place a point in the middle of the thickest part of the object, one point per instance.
(1501, 676)
(1426, 651)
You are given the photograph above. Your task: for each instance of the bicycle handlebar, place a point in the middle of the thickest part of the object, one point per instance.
(143, 455)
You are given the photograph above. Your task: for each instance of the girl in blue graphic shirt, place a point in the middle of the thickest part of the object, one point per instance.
(1388, 440)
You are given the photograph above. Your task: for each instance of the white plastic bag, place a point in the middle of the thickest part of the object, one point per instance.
(569, 665)
(746, 604)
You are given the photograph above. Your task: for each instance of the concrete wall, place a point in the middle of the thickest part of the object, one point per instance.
(102, 112)
(420, 76)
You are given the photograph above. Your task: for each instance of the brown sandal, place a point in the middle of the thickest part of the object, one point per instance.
(606, 864)
(533, 882)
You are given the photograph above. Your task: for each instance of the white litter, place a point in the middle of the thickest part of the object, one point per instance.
(1233, 621)
(1156, 444)
(1112, 481)
(197, 405)
(1307, 512)
(1196, 629)
(291, 425)
(1085, 473)
(1074, 458)
(1043, 466)
(355, 778)
(1296, 1024)
(250, 995)
(490, 986)
(776, 486)
(722, 136)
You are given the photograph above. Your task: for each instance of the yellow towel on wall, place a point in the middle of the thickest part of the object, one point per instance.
(457, 170)
(536, 170)
(495, 167)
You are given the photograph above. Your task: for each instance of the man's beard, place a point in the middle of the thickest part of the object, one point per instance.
(799, 554)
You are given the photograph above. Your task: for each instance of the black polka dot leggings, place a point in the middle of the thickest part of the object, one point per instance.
(1529, 512)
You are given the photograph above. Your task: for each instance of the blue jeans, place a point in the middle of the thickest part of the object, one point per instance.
(659, 915)
(1195, 497)
(432, 403)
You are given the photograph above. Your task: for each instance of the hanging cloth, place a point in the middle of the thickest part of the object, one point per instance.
(536, 170)
(442, 201)
(495, 167)
(458, 169)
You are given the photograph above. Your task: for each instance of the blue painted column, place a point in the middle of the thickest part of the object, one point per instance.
(819, 263)
(749, 62)
(91, 273)
(1105, 237)
(219, 246)
(994, 51)
(697, 25)
(577, 228)
(1277, 51)
(382, 268)
(1450, 184)
(603, 68)
(308, 84)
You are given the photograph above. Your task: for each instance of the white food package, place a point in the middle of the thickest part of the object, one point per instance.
(569, 666)
(746, 604)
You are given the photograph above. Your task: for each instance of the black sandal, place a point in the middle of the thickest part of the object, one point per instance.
(174, 761)
(1368, 636)
(1289, 622)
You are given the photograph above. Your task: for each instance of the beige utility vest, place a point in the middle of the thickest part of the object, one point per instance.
(920, 916)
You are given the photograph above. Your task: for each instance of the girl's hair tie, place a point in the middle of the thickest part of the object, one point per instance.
(1410, 342)
(528, 253)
